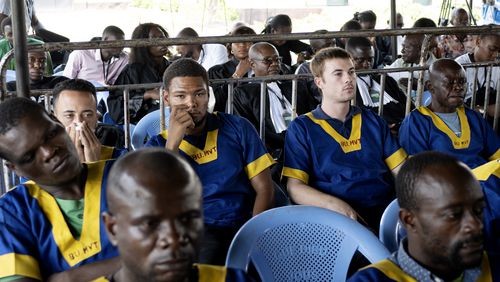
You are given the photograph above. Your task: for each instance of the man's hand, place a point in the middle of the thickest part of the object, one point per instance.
(180, 122)
(86, 143)
(336, 204)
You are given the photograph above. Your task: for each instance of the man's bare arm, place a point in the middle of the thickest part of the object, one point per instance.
(304, 194)
(262, 183)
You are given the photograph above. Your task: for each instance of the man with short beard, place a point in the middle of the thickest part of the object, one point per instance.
(441, 207)
(224, 150)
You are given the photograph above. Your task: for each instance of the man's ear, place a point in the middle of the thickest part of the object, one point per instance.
(428, 86)
(110, 225)
(252, 64)
(166, 98)
(317, 81)
(408, 219)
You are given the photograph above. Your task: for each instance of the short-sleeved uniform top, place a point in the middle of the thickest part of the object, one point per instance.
(35, 240)
(226, 156)
(351, 160)
(423, 131)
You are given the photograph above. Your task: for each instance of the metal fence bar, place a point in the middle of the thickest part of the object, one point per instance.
(474, 90)
(408, 93)
(20, 47)
(294, 98)
(489, 70)
(382, 95)
(262, 116)
(497, 107)
(47, 103)
(162, 109)
(126, 118)
(230, 96)
(6, 176)
(260, 37)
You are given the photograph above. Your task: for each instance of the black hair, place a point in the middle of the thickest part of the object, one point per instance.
(12, 111)
(141, 54)
(187, 32)
(365, 16)
(351, 25)
(184, 67)
(277, 21)
(5, 22)
(411, 173)
(239, 30)
(75, 85)
(357, 42)
(424, 22)
(113, 30)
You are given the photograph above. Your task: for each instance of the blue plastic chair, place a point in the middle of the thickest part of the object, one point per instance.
(303, 243)
(391, 230)
(148, 127)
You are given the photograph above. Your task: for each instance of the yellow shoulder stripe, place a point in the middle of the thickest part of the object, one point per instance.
(17, 264)
(495, 156)
(296, 173)
(392, 271)
(257, 166)
(461, 142)
(485, 171)
(211, 273)
(396, 158)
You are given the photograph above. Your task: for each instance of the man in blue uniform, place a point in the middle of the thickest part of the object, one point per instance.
(441, 207)
(339, 156)
(446, 125)
(224, 150)
(75, 105)
(155, 219)
(50, 227)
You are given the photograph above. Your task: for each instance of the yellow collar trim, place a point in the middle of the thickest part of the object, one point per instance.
(74, 251)
(200, 156)
(461, 142)
(348, 145)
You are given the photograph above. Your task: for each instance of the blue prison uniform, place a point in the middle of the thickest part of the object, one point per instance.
(423, 131)
(225, 157)
(351, 160)
(35, 240)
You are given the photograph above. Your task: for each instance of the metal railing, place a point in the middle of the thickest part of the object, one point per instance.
(7, 179)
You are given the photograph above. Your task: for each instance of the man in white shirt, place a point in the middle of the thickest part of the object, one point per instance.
(487, 47)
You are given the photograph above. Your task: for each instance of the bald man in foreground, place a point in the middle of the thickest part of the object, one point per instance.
(156, 222)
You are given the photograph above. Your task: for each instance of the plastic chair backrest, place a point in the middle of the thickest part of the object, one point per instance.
(302, 243)
(391, 230)
(148, 127)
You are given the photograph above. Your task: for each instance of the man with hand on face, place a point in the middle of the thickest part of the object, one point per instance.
(76, 107)
(157, 222)
(224, 150)
(50, 227)
(341, 157)
(446, 125)
(441, 207)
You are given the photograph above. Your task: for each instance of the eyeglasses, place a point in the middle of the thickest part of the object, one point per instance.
(270, 60)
